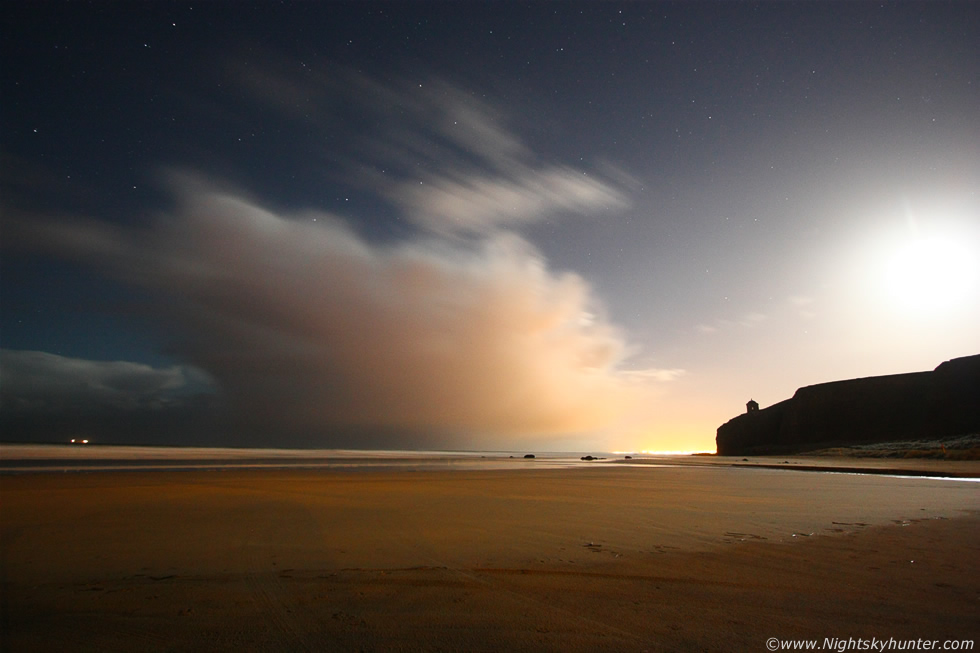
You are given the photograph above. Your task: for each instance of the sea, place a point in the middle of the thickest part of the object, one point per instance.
(19, 458)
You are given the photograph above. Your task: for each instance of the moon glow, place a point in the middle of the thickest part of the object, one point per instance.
(930, 274)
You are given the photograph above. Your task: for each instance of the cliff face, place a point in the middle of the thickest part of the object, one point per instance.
(940, 403)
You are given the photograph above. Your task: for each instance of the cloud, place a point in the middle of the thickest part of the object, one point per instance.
(459, 333)
(48, 398)
(496, 184)
(442, 156)
(747, 321)
(655, 374)
(803, 304)
(34, 380)
(475, 203)
(752, 319)
(801, 300)
(305, 326)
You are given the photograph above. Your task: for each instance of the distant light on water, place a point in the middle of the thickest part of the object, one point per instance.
(672, 453)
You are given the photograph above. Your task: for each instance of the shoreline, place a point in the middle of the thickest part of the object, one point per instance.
(56, 458)
(913, 467)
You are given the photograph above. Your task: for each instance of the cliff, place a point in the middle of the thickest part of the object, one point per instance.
(941, 403)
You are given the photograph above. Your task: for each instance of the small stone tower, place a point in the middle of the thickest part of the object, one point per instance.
(751, 406)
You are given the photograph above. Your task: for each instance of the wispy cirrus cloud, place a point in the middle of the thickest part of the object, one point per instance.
(748, 320)
(804, 306)
(659, 375)
(441, 155)
(478, 203)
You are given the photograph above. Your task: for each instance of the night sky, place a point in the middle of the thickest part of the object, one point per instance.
(551, 225)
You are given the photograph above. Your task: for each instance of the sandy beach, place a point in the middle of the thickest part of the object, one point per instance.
(617, 558)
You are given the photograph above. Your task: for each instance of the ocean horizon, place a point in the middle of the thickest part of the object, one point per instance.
(106, 457)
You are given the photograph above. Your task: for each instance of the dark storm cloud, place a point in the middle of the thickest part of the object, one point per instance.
(304, 325)
(49, 398)
(34, 380)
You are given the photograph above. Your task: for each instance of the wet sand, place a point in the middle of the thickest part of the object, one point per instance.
(832, 463)
(616, 558)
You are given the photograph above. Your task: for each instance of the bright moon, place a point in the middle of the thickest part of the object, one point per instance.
(930, 274)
